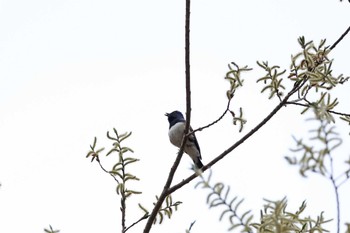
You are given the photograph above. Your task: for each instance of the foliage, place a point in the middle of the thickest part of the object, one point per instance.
(167, 210)
(272, 79)
(120, 175)
(236, 81)
(314, 159)
(312, 80)
(234, 77)
(118, 171)
(313, 69)
(317, 157)
(310, 72)
(313, 65)
(219, 196)
(276, 218)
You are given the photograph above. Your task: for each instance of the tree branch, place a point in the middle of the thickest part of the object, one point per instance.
(99, 162)
(187, 66)
(165, 191)
(142, 218)
(214, 122)
(340, 39)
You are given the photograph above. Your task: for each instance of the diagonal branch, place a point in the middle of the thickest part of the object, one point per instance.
(142, 218)
(340, 39)
(104, 169)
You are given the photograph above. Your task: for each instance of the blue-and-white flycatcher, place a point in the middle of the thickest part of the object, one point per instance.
(177, 124)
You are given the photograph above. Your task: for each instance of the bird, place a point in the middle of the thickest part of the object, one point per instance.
(177, 124)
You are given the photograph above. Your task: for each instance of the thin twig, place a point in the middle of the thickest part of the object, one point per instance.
(214, 122)
(335, 187)
(123, 199)
(331, 174)
(141, 219)
(344, 180)
(99, 162)
(330, 111)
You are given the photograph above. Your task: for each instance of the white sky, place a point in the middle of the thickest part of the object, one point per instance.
(72, 70)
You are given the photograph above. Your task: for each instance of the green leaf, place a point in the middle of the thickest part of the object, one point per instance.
(238, 204)
(223, 214)
(143, 209)
(110, 137)
(124, 136)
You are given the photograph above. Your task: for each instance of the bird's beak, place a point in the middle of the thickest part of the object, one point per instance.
(166, 114)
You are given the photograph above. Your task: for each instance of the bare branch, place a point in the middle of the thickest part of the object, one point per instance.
(340, 39)
(142, 218)
(165, 191)
(214, 122)
(99, 162)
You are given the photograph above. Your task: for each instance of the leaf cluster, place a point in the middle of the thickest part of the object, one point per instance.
(312, 64)
(118, 172)
(311, 69)
(219, 197)
(276, 218)
(94, 153)
(234, 77)
(314, 158)
(236, 81)
(272, 79)
(323, 107)
(166, 210)
(119, 169)
(238, 119)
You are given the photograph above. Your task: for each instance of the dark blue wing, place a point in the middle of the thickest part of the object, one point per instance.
(192, 138)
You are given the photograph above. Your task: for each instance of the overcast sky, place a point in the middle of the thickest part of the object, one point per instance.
(71, 70)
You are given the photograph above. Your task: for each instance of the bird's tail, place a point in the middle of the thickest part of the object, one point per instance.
(198, 163)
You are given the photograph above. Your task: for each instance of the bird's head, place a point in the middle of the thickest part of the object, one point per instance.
(175, 116)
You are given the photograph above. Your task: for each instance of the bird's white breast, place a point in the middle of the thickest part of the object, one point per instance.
(176, 133)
